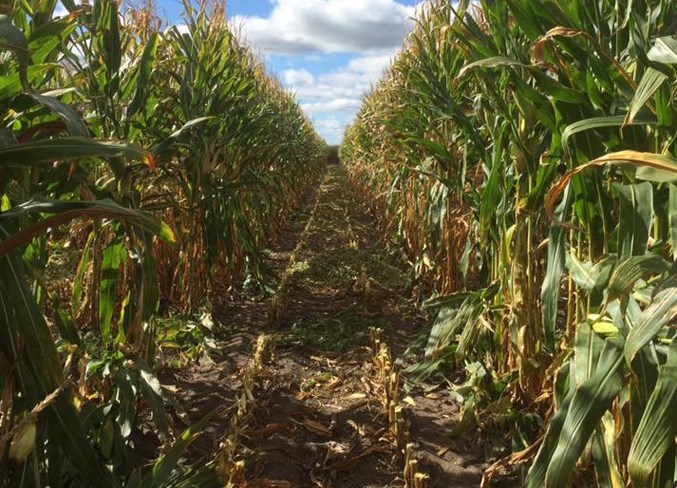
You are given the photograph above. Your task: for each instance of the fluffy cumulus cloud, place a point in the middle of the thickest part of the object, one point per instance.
(305, 26)
(302, 31)
(331, 99)
(343, 85)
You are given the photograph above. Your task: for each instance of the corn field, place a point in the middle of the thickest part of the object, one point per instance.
(523, 156)
(165, 159)
(518, 157)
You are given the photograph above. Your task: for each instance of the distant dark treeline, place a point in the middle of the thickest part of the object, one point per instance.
(333, 155)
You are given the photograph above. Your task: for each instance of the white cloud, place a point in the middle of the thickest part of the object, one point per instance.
(372, 66)
(301, 31)
(332, 128)
(331, 99)
(347, 82)
(335, 105)
(306, 26)
(297, 78)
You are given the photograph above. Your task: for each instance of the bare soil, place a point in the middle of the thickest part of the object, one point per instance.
(318, 419)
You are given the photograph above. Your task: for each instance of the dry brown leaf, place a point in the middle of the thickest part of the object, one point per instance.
(302, 395)
(335, 382)
(316, 428)
(509, 462)
(356, 396)
(350, 462)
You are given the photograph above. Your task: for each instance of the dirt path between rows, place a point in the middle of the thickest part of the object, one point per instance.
(318, 415)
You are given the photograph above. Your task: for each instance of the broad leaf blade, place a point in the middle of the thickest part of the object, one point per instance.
(663, 310)
(589, 402)
(68, 148)
(650, 82)
(664, 50)
(657, 428)
(630, 270)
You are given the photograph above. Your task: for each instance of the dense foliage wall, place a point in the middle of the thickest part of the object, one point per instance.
(141, 170)
(522, 153)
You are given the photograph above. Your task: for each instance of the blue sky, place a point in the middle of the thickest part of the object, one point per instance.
(328, 52)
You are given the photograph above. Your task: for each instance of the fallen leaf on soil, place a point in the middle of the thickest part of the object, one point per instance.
(301, 395)
(409, 401)
(316, 428)
(356, 396)
(335, 449)
(350, 462)
(335, 382)
(515, 459)
(443, 451)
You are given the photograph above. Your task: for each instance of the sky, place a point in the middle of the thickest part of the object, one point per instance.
(328, 52)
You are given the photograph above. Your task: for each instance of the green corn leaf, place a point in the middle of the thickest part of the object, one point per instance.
(113, 257)
(603, 451)
(636, 218)
(596, 123)
(33, 331)
(142, 81)
(588, 347)
(672, 218)
(593, 278)
(65, 211)
(656, 175)
(125, 397)
(442, 332)
(663, 310)
(650, 82)
(447, 300)
(537, 472)
(20, 317)
(11, 85)
(166, 144)
(67, 148)
(108, 27)
(13, 39)
(657, 429)
(162, 469)
(445, 181)
(152, 393)
(581, 272)
(589, 402)
(75, 124)
(664, 50)
(628, 271)
(553, 276)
